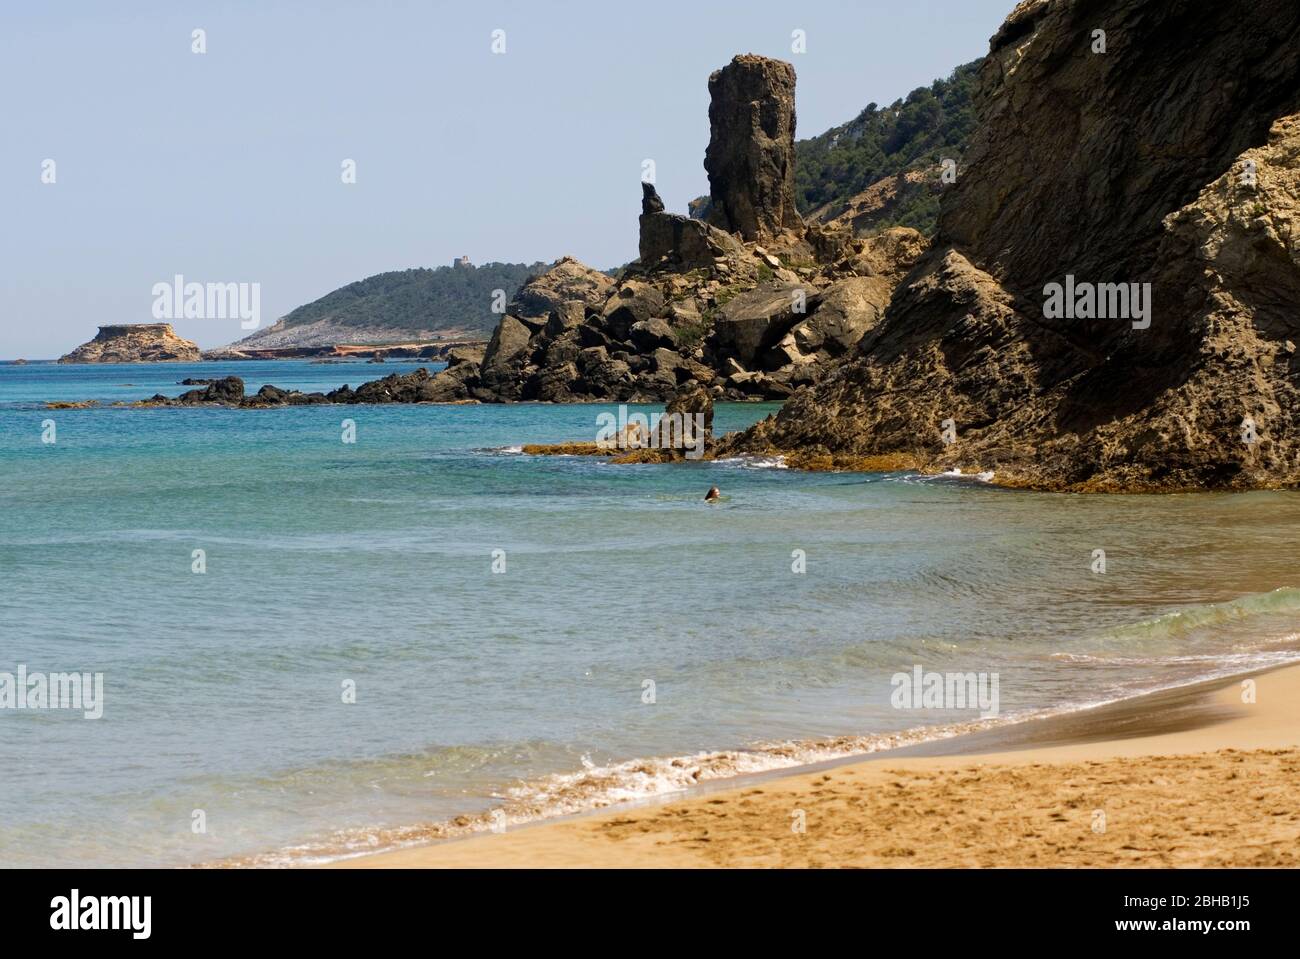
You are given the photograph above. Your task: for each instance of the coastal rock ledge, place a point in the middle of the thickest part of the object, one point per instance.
(135, 343)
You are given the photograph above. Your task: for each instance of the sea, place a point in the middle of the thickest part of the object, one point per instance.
(312, 648)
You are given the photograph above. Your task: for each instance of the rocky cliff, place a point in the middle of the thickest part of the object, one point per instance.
(135, 343)
(1111, 300)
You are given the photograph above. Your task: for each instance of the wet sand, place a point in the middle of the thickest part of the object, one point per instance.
(1196, 776)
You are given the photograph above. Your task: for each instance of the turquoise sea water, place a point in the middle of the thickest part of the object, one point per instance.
(525, 690)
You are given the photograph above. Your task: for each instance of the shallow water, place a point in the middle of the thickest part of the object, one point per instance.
(522, 690)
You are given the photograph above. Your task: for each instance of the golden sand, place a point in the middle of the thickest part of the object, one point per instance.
(1190, 777)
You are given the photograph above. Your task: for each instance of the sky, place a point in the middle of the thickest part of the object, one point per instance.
(227, 166)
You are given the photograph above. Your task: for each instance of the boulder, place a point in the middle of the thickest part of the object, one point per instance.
(452, 385)
(567, 316)
(633, 302)
(684, 313)
(649, 335)
(505, 355)
(676, 242)
(667, 361)
(567, 280)
(228, 390)
(465, 356)
(604, 376)
(685, 430)
(590, 335)
(535, 324)
(846, 310)
(555, 384)
(562, 351)
(749, 324)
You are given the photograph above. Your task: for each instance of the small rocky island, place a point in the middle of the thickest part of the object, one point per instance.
(135, 343)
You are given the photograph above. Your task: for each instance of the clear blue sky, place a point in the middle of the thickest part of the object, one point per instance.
(225, 166)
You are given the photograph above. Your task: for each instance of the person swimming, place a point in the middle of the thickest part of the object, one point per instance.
(713, 495)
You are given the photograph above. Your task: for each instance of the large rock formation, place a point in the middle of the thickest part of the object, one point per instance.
(745, 326)
(701, 306)
(674, 242)
(135, 343)
(1099, 165)
(536, 350)
(750, 159)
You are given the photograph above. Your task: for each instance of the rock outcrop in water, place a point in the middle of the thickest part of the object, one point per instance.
(413, 387)
(135, 343)
(1165, 153)
(747, 326)
(683, 432)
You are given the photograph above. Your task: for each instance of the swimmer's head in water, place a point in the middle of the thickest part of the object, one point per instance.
(712, 494)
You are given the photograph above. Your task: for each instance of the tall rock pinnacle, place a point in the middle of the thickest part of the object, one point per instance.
(750, 159)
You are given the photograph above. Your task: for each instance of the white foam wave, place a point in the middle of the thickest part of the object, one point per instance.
(501, 450)
(753, 462)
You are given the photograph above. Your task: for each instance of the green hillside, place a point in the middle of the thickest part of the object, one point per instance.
(919, 130)
(912, 134)
(451, 298)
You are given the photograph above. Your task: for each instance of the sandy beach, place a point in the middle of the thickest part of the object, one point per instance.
(1196, 776)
